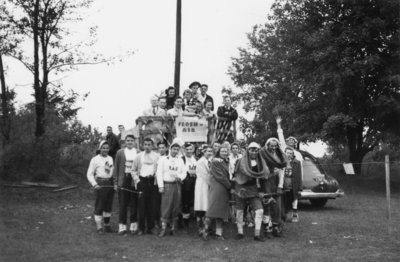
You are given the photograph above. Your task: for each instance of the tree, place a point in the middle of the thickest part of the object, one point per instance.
(45, 24)
(330, 68)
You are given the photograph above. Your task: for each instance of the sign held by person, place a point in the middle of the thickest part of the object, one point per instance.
(191, 129)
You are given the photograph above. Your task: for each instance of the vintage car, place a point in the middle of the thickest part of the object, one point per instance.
(318, 186)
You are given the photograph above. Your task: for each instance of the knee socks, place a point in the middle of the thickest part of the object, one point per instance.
(257, 221)
(239, 220)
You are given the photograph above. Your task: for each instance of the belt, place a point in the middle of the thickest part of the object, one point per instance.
(103, 178)
(148, 178)
(168, 182)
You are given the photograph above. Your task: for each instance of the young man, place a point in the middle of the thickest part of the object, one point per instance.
(177, 110)
(292, 184)
(170, 172)
(188, 183)
(162, 104)
(121, 129)
(234, 156)
(290, 141)
(99, 175)
(204, 89)
(162, 149)
(196, 94)
(122, 175)
(276, 162)
(112, 141)
(249, 170)
(144, 170)
(230, 114)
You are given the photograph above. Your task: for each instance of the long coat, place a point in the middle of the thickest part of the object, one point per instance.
(218, 197)
(296, 177)
(202, 185)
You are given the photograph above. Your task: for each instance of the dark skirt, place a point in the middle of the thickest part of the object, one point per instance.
(218, 200)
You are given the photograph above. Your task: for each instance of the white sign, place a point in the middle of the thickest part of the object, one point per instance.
(348, 168)
(191, 129)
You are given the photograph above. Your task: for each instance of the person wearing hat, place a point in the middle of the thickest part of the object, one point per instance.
(188, 183)
(202, 185)
(170, 172)
(288, 142)
(218, 197)
(144, 172)
(99, 175)
(248, 173)
(276, 162)
(122, 174)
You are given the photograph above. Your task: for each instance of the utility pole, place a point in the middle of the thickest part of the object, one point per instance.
(177, 74)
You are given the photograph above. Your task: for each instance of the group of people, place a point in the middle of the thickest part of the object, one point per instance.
(163, 186)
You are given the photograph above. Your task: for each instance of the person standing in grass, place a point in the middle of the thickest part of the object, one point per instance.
(202, 186)
(171, 172)
(292, 185)
(144, 171)
(100, 177)
(122, 175)
(218, 198)
(248, 173)
(188, 183)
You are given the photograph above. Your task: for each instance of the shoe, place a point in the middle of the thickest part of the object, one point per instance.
(100, 231)
(239, 236)
(133, 232)
(162, 233)
(268, 234)
(295, 218)
(218, 237)
(151, 232)
(277, 231)
(140, 232)
(108, 229)
(204, 236)
(172, 232)
(123, 233)
(250, 224)
(259, 238)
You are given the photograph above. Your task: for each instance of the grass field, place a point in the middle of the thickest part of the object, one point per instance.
(39, 225)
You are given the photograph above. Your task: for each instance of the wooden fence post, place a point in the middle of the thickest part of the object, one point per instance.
(387, 172)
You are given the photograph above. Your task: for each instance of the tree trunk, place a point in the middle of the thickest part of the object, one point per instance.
(5, 126)
(177, 75)
(357, 150)
(39, 98)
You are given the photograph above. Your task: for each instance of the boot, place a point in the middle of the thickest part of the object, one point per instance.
(163, 229)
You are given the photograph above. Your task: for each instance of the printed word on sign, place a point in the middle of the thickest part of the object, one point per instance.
(191, 129)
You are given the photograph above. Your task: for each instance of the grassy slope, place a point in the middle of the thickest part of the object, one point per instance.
(37, 225)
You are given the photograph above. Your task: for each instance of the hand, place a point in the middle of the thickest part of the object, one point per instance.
(278, 120)
(97, 187)
(279, 191)
(116, 188)
(260, 194)
(161, 190)
(232, 191)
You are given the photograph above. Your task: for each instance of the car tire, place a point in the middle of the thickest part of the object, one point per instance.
(318, 202)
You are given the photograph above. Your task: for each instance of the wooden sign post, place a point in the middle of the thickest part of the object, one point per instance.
(387, 171)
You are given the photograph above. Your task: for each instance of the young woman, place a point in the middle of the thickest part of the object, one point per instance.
(218, 197)
(171, 95)
(99, 175)
(201, 187)
(122, 175)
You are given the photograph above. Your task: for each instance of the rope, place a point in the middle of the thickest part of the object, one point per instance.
(124, 189)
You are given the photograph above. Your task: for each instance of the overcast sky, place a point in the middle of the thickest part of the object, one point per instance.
(212, 31)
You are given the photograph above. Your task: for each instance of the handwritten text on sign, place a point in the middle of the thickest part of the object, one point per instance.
(191, 129)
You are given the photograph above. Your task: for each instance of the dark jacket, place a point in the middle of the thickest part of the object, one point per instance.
(296, 177)
(230, 113)
(113, 142)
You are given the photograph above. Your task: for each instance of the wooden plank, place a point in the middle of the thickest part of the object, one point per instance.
(15, 185)
(38, 184)
(64, 188)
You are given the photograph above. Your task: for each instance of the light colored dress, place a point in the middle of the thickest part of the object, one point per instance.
(202, 185)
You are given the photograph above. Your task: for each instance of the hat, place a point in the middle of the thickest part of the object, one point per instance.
(272, 139)
(292, 137)
(254, 145)
(187, 144)
(102, 143)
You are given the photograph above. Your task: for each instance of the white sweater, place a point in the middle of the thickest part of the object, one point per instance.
(169, 169)
(99, 167)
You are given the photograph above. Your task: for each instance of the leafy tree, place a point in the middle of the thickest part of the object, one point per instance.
(45, 24)
(329, 68)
